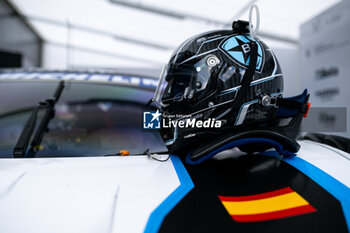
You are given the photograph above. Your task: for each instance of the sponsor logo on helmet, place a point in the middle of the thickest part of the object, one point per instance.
(237, 48)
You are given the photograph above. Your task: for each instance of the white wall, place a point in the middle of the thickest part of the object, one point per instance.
(55, 57)
(325, 55)
(289, 59)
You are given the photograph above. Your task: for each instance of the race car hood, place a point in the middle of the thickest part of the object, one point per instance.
(123, 194)
(93, 194)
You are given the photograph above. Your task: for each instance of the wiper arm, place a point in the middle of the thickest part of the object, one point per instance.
(153, 155)
(48, 105)
(23, 141)
(157, 155)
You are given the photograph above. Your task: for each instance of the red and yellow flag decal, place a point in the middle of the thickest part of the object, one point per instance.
(266, 206)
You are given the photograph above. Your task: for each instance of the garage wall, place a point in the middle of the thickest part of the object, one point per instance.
(325, 54)
(57, 56)
(16, 37)
(289, 59)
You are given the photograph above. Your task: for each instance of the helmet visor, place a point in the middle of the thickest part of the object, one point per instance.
(173, 82)
(178, 81)
(162, 84)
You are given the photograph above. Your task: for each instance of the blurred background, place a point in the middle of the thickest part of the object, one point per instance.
(310, 38)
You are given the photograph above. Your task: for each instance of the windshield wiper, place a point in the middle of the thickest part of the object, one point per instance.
(48, 105)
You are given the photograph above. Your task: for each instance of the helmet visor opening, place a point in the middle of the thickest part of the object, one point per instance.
(178, 81)
(173, 83)
(162, 84)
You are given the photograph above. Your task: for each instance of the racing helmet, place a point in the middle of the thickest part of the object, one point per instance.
(225, 76)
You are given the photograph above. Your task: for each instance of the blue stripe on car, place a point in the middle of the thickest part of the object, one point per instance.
(157, 216)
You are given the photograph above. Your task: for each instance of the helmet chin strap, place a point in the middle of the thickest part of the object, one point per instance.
(247, 78)
(244, 27)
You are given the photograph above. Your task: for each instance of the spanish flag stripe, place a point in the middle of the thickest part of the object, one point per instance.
(274, 215)
(271, 204)
(258, 196)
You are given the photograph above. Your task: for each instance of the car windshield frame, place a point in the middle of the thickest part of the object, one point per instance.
(99, 102)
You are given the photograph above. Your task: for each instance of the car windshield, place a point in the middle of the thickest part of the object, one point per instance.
(90, 119)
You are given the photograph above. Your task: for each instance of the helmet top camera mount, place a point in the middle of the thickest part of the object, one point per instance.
(240, 26)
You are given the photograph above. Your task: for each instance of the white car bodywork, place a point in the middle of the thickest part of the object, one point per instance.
(332, 161)
(94, 194)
